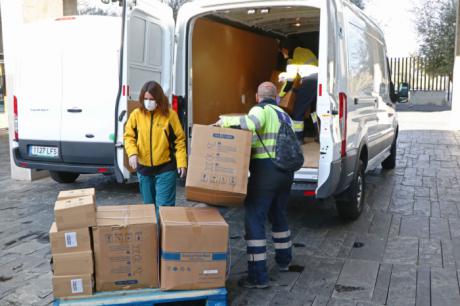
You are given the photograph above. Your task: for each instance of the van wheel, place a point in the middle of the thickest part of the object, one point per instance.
(351, 202)
(390, 162)
(64, 177)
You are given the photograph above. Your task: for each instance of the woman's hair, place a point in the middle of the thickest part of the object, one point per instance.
(156, 91)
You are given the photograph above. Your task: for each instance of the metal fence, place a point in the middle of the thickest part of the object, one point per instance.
(412, 70)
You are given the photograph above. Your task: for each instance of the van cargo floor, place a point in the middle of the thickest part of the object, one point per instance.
(310, 150)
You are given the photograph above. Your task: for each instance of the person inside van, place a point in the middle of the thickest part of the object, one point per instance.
(305, 63)
(155, 145)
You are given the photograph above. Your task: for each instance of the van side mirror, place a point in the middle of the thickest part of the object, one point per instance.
(403, 92)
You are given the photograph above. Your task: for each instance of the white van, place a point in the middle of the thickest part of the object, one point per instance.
(71, 106)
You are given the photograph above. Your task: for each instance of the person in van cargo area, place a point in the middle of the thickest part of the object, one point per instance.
(155, 144)
(305, 63)
(268, 188)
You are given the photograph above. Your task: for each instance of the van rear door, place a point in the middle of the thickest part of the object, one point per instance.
(90, 60)
(38, 92)
(148, 55)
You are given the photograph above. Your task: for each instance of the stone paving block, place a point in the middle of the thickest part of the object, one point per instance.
(456, 250)
(347, 245)
(311, 240)
(423, 296)
(368, 247)
(414, 226)
(357, 280)
(291, 299)
(430, 253)
(320, 301)
(382, 284)
(401, 250)
(339, 302)
(319, 276)
(332, 244)
(439, 228)
(448, 209)
(380, 224)
(422, 206)
(395, 226)
(448, 259)
(435, 209)
(403, 206)
(402, 285)
(444, 287)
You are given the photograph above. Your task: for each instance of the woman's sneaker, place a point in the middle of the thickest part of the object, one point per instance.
(246, 283)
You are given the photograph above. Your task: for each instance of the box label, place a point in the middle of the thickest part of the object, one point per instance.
(71, 240)
(208, 272)
(76, 285)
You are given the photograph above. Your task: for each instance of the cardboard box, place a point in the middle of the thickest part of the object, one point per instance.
(126, 247)
(67, 241)
(75, 213)
(288, 101)
(73, 263)
(72, 285)
(194, 245)
(76, 193)
(218, 165)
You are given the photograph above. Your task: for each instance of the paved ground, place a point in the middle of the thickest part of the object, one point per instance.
(404, 250)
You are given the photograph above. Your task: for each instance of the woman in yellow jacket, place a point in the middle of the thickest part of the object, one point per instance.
(155, 144)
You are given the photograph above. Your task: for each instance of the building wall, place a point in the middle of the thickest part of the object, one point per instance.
(456, 92)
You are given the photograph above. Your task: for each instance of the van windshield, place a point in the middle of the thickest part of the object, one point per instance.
(94, 7)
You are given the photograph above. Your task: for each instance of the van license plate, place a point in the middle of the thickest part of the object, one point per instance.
(39, 151)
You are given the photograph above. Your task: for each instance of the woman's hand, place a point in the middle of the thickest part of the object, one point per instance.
(133, 162)
(182, 172)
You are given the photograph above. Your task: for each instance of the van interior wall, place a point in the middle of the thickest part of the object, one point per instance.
(228, 65)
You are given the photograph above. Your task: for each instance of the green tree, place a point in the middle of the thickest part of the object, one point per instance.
(358, 3)
(436, 26)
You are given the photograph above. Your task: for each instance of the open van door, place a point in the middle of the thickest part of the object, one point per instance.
(147, 53)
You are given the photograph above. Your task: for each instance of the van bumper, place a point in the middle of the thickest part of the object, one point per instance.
(330, 186)
(60, 166)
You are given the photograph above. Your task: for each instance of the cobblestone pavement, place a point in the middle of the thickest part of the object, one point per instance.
(404, 249)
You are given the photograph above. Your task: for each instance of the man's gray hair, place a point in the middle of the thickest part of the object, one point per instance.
(267, 90)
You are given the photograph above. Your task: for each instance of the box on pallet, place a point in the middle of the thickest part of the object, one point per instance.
(76, 193)
(73, 263)
(126, 247)
(194, 245)
(72, 285)
(75, 213)
(67, 241)
(218, 166)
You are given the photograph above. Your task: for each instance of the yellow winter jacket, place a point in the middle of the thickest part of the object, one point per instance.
(152, 136)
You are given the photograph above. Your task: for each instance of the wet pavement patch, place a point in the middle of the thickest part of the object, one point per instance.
(358, 245)
(342, 288)
(296, 268)
(5, 278)
(298, 245)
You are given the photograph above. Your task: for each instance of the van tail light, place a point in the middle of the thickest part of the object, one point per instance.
(343, 114)
(175, 103)
(15, 118)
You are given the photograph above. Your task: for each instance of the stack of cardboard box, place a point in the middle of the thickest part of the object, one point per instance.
(70, 239)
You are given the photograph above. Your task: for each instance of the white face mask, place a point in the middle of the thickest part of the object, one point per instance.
(150, 105)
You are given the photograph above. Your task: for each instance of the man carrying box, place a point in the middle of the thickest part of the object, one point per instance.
(268, 187)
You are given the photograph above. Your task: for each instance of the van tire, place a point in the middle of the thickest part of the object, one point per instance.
(64, 177)
(351, 202)
(390, 162)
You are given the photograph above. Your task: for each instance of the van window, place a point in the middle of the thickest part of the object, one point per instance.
(360, 62)
(380, 71)
(144, 55)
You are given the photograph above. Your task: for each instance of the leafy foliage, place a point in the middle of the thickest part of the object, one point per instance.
(436, 26)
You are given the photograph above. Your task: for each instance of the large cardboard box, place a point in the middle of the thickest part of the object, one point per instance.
(67, 241)
(72, 285)
(76, 193)
(126, 247)
(75, 213)
(73, 263)
(218, 165)
(194, 244)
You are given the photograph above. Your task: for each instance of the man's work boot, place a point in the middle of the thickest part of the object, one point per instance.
(246, 283)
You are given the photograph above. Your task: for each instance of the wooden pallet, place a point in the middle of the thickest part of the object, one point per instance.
(147, 297)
